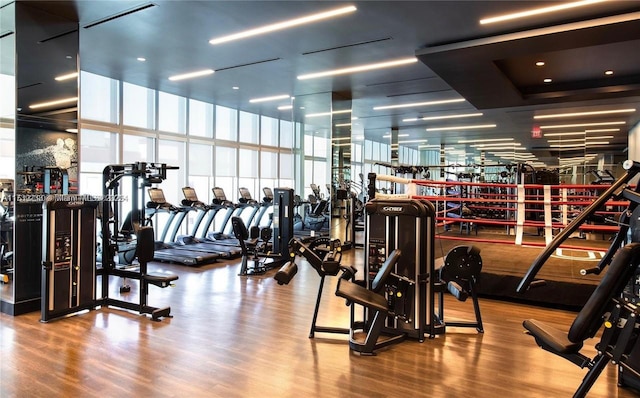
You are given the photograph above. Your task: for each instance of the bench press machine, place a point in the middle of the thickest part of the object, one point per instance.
(608, 306)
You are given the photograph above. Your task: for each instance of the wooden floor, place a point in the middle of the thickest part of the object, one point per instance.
(237, 336)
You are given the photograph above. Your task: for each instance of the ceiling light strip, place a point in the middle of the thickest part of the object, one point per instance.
(451, 116)
(52, 103)
(538, 11)
(593, 113)
(562, 126)
(328, 113)
(471, 127)
(487, 140)
(428, 103)
(68, 76)
(283, 25)
(270, 98)
(359, 68)
(191, 75)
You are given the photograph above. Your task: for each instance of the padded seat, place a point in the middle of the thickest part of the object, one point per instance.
(363, 296)
(616, 341)
(548, 336)
(377, 307)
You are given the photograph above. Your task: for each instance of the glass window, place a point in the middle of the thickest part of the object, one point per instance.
(200, 119)
(268, 164)
(320, 173)
(97, 150)
(320, 145)
(308, 145)
(8, 103)
(90, 184)
(137, 149)
(368, 150)
(308, 177)
(99, 98)
(248, 127)
(226, 123)
(385, 152)
(138, 105)
(172, 113)
(172, 153)
(286, 134)
(268, 131)
(225, 162)
(286, 166)
(200, 160)
(7, 153)
(249, 167)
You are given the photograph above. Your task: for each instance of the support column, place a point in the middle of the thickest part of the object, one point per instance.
(340, 153)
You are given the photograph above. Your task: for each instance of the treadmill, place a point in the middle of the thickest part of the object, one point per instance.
(173, 251)
(203, 244)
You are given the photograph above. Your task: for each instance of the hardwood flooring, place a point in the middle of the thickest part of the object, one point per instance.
(237, 336)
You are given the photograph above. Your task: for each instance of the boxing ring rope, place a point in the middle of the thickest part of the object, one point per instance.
(559, 201)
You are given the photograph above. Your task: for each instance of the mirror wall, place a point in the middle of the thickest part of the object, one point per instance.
(46, 130)
(7, 147)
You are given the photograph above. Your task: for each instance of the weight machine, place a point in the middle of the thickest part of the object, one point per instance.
(142, 176)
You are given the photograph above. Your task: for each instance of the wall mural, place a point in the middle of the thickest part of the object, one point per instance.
(36, 148)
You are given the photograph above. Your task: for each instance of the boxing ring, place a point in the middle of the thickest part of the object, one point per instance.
(494, 216)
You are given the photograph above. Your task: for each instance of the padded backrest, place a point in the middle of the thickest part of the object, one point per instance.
(239, 228)
(145, 244)
(462, 263)
(620, 271)
(385, 271)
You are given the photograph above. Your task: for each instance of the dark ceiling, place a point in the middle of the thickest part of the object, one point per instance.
(491, 66)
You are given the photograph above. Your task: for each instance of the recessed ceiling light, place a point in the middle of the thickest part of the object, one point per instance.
(190, 75)
(141, 59)
(538, 11)
(235, 88)
(561, 126)
(450, 101)
(547, 80)
(359, 68)
(285, 107)
(591, 113)
(540, 63)
(52, 103)
(271, 98)
(67, 76)
(283, 25)
(342, 124)
(399, 135)
(608, 72)
(476, 126)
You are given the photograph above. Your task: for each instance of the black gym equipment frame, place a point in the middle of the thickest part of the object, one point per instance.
(282, 235)
(142, 176)
(68, 256)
